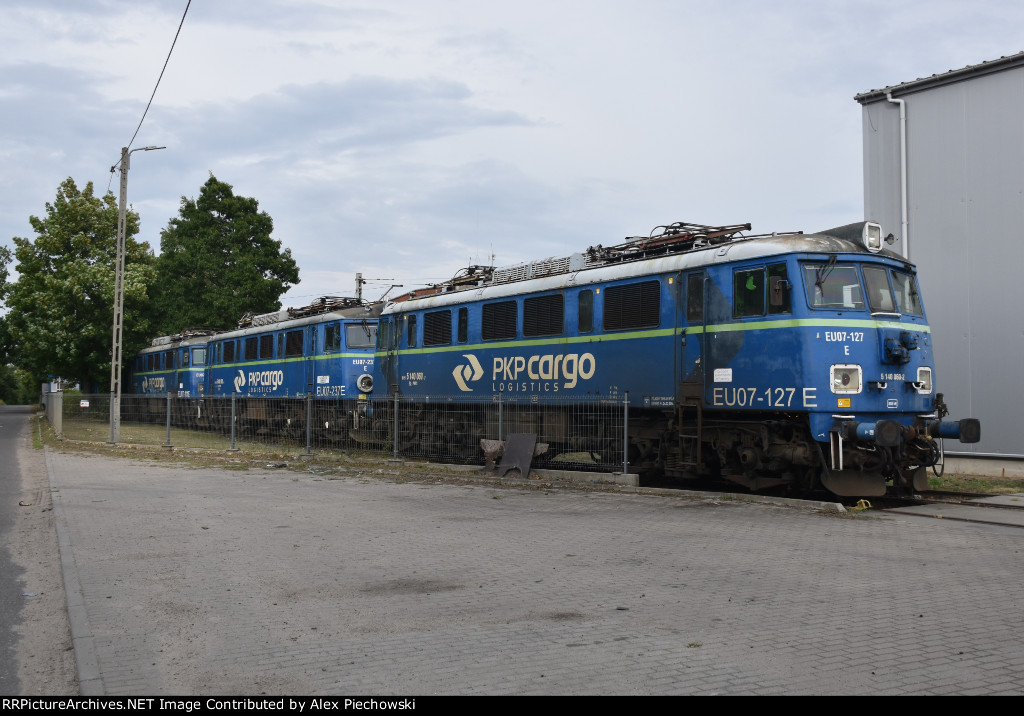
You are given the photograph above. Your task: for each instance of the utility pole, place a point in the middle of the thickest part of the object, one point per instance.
(115, 352)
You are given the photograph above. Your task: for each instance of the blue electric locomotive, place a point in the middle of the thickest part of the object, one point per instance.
(324, 351)
(782, 359)
(171, 364)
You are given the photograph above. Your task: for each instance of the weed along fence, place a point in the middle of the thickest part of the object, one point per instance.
(571, 434)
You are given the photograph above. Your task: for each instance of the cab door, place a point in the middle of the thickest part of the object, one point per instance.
(693, 338)
(181, 377)
(387, 342)
(310, 358)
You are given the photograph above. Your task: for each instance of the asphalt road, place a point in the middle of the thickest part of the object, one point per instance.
(12, 421)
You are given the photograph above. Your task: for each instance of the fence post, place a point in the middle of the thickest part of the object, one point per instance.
(309, 423)
(57, 412)
(113, 438)
(168, 443)
(625, 434)
(233, 394)
(500, 416)
(394, 432)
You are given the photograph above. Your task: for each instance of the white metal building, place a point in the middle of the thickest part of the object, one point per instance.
(944, 172)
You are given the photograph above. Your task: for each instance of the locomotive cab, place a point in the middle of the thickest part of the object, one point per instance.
(883, 418)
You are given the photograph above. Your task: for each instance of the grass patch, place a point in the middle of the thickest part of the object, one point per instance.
(976, 483)
(42, 428)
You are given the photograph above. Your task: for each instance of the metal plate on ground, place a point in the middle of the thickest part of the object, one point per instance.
(518, 453)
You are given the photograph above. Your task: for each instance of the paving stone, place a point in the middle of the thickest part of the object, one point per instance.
(208, 581)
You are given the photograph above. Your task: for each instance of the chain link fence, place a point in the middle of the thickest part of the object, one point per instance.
(571, 433)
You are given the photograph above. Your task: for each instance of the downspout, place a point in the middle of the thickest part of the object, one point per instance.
(903, 172)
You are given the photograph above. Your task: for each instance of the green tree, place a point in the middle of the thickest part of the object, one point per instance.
(218, 262)
(17, 387)
(5, 258)
(61, 307)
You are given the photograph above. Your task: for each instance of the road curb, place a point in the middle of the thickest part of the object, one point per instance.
(90, 682)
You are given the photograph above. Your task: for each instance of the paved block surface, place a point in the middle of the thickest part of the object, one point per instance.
(212, 581)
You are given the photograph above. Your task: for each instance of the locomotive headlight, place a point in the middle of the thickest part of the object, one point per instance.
(365, 383)
(872, 236)
(924, 381)
(846, 379)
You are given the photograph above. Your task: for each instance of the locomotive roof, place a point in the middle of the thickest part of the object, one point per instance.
(167, 343)
(735, 250)
(368, 312)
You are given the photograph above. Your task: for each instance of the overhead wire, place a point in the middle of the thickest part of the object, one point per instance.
(164, 69)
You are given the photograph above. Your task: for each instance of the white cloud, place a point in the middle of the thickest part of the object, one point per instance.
(403, 139)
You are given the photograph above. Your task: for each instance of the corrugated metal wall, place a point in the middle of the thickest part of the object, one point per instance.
(965, 158)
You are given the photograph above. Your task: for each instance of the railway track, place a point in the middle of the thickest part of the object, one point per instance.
(982, 508)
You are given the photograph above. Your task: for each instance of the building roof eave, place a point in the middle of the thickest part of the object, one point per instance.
(951, 77)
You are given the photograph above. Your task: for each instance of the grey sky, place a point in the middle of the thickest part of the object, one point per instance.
(404, 139)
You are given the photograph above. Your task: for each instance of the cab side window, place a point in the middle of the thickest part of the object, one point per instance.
(907, 296)
(332, 338)
(748, 293)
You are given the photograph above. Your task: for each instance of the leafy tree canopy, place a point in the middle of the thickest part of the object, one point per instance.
(61, 307)
(5, 258)
(218, 262)
(17, 387)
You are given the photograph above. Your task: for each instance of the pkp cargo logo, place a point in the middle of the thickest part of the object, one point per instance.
(471, 371)
(260, 381)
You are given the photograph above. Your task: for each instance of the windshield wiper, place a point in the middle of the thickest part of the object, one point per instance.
(822, 272)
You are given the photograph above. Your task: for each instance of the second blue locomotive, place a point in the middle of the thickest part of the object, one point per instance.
(323, 351)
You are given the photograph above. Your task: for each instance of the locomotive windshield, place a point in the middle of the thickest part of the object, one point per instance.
(879, 294)
(832, 285)
(361, 335)
(886, 290)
